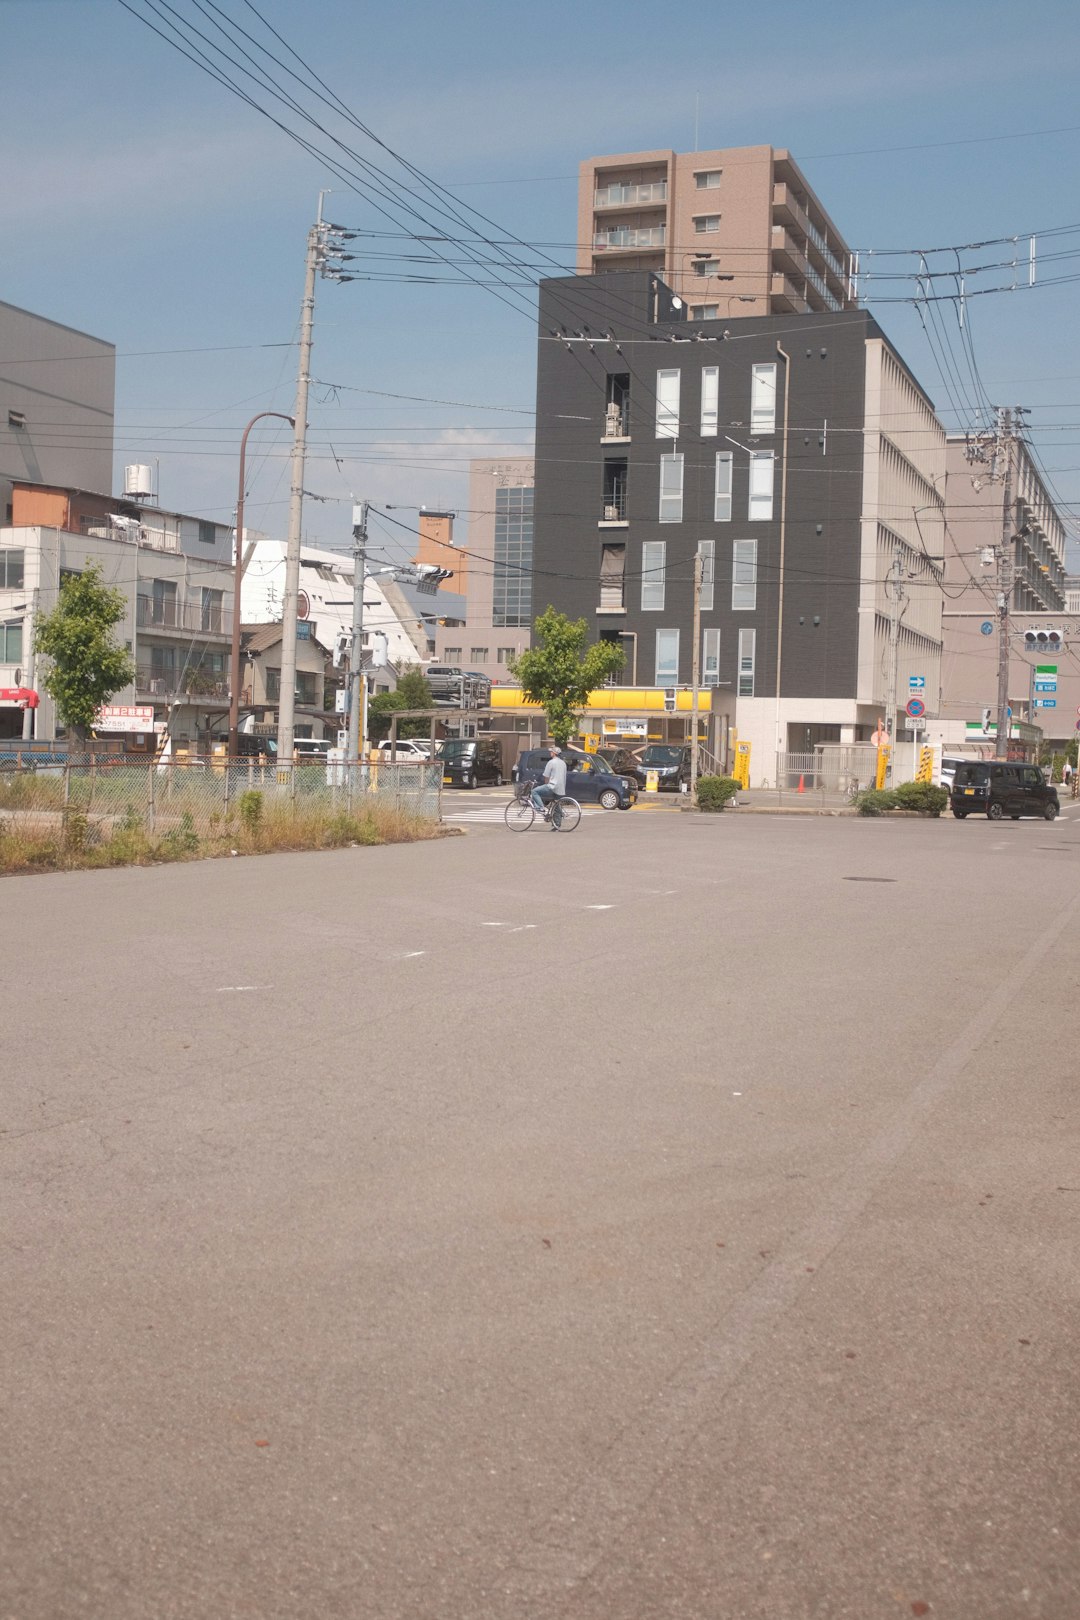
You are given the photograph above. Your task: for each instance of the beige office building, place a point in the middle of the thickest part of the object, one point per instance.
(499, 605)
(733, 232)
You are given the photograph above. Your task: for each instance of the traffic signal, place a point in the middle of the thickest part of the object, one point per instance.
(1049, 639)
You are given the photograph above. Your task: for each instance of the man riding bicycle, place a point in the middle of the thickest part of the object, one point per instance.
(553, 785)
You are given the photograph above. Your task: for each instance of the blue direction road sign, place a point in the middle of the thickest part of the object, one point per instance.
(916, 682)
(1046, 686)
(1046, 703)
(987, 627)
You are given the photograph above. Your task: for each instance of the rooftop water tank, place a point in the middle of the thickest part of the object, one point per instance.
(139, 483)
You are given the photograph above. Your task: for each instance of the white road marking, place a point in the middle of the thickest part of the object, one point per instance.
(522, 927)
(599, 908)
(492, 925)
(406, 955)
(233, 989)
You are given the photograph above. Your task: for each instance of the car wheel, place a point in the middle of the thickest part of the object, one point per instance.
(994, 812)
(609, 799)
(1050, 812)
(470, 781)
(961, 815)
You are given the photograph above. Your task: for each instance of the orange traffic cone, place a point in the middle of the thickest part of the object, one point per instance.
(802, 785)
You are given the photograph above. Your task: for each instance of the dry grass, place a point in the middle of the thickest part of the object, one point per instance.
(71, 841)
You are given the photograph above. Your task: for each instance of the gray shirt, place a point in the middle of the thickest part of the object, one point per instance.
(555, 773)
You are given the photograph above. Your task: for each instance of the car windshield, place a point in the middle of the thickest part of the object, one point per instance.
(456, 747)
(969, 775)
(662, 756)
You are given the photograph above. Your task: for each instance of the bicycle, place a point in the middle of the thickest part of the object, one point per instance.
(520, 813)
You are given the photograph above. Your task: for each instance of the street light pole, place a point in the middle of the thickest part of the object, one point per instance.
(357, 727)
(695, 674)
(238, 577)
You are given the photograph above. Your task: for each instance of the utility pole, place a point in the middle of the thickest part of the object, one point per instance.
(357, 729)
(695, 675)
(287, 700)
(899, 602)
(238, 579)
(1004, 583)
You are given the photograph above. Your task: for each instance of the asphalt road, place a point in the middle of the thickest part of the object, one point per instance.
(675, 1218)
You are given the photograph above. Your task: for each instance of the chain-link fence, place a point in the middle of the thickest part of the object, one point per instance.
(203, 798)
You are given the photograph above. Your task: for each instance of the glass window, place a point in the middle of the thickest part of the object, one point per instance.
(451, 655)
(710, 397)
(503, 655)
(273, 685)
(746, 662)
(11, 643)
(667, 658)
(707, 548)
(211, 609)
(667, 404)
(671, 489)
(744, 574)
(478, 655)
(710, 658)
(163, 602)
(706, 179)
(703, 223)
(722, 506)
(763, 399)
(612, 576)
(704, 312)
(207, 532)
(653, 567)
(11, 570)
(706, 267)
(761, 486)
(512, 581)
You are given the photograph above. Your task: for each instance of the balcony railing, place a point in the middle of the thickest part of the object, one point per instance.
(194, 684)
(623, 238)
(195, 618)
(614, 507)
(623, 196)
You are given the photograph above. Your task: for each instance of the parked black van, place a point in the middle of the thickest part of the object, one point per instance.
(468, 761)
(999, 788)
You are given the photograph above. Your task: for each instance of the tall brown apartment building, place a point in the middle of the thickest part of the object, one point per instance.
(733, 232)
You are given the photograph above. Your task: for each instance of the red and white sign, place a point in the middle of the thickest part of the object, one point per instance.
(125, 717)
(19, 697)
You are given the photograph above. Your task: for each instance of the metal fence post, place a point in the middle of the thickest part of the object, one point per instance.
(151, 773)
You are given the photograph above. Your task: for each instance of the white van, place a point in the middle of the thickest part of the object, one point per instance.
(947, 770)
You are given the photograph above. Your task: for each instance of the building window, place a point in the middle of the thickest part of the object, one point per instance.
(207, 532)
(212, 602)
(710, 658)
(503, 655)
(704, 223)
(671, 489)
(616, 475)
(705, 267)
(12, 570)
(307, 688)
(163, 602)
(667, 404)
(763, 400)
(761, 486)
(707, 550)
(667, 658)
(707, 179)
(452, 655)
(704, 312)
(744, 574)
(612, 578)
(653, 569)
(11, 643)
(16, 419)
(273, 685)
(746, 662)
(163, 663)
(710, 400)
(478, 655)
(511, 598)
(66, 574)
(722, 506)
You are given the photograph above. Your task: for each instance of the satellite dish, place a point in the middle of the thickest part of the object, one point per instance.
(676, 303)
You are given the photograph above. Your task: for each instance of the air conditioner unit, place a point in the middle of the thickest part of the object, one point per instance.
(611, 514)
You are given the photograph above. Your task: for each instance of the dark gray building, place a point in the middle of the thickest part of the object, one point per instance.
(57, 390)
(802, 458)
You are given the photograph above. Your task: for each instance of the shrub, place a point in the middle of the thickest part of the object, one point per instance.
(921, 796)
(251, 811)
(713, 792)
(875, 801)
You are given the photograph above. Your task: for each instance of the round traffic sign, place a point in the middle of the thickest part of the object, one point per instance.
(915, 708)
(987, 627)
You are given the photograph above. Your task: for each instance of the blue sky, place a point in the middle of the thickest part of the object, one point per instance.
(147, 205)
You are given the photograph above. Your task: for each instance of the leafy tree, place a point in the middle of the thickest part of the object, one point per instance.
(561, 671)
(380, 710)
(414, 687)
(88, 664)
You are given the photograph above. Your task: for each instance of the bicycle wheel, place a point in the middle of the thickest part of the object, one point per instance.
(569, 813)
(519, 815)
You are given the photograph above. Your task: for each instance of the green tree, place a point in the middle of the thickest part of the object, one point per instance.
(380, 710)
(88, 664)
(413, 686)
(561, 671)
